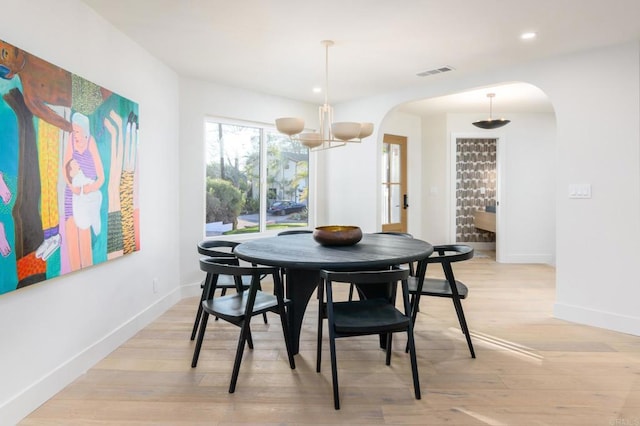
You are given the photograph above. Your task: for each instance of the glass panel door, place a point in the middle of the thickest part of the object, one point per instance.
(394, 178)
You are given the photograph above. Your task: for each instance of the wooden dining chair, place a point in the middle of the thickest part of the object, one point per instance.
(239, 308)
(216, 249)
(364, 317)
(448, 287)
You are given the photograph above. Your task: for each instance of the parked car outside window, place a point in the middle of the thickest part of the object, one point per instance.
(286, 207)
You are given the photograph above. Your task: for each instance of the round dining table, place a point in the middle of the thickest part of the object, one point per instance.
(302, 258)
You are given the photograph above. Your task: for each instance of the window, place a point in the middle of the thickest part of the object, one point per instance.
(256, 179)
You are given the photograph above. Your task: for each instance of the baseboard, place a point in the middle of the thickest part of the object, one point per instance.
(596, 318)
(543, 258)
(529, 258)
(22, 404)
(481, 246)
(190, 290)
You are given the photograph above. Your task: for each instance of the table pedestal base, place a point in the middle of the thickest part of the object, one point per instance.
(303, 285)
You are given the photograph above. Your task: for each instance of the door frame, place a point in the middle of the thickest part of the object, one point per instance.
(501, 201)
(403, 141)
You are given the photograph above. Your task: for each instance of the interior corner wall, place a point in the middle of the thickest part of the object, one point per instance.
(54, 331)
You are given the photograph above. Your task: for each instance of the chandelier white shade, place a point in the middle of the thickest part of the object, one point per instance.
(329, 134)
(290, 125)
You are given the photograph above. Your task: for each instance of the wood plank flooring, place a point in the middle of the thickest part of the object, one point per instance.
(531, 369)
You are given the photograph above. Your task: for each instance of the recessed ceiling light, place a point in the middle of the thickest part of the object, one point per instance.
(528, 36)
(317, 90)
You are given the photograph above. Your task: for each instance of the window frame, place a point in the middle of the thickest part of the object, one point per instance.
(263, 184)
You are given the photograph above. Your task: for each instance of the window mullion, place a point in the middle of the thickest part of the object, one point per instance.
(263, 182)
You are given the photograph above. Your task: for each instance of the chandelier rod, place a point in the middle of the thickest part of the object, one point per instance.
(491, 106)
(327, 44)
(490, 96)
(330, 134)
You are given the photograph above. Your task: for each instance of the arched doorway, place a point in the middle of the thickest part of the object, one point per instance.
(526, 191)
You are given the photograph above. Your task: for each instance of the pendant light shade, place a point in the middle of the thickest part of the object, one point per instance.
(491, 123)
(290, 125)
(329, 134)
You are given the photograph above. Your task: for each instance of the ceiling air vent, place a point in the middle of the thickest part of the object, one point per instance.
(445, 68)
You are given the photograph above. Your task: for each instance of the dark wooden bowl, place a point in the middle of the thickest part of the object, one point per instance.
(337, 235)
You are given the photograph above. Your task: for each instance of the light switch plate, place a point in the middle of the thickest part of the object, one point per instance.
(580, 190)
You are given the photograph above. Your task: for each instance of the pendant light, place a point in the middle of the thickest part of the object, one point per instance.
(330, 134)
(491, 123)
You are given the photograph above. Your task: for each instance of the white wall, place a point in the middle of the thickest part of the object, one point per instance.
(436, 180)
(528, 185)
(55, 330)
(596, 97)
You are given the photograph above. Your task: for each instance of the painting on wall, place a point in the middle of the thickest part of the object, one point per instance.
(68, 171)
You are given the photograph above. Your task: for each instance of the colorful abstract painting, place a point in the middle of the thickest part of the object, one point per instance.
(68, 171)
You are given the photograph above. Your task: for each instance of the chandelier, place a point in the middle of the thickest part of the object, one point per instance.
(491, 123)
(329, 134)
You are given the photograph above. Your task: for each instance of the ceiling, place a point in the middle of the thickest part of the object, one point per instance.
(273, 46)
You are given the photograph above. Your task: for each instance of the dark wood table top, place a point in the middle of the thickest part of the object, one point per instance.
(301, 251)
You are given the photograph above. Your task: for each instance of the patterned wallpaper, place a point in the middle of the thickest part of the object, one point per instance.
(475, 186)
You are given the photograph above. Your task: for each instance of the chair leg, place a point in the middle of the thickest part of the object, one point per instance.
(389, 340)
(334, 371)
(457, 304)
(203, 296)
(244, 333)
(249, 339)
(321, 317)
(463, 324)
(319, 348)
(203, 327)
(287, 343)
(197, 320)
(414, 362)
(414, 303)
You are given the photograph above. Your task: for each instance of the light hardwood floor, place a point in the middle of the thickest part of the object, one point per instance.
(531, 369)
